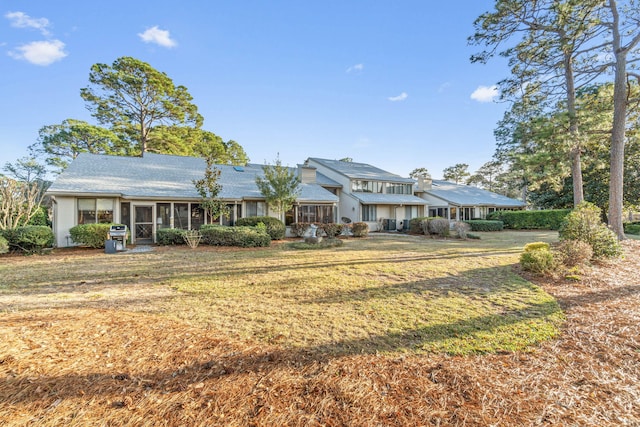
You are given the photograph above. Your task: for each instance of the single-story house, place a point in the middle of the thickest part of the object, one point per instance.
(157, 191)
(462, 202)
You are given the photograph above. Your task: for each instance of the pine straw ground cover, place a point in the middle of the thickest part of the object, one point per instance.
(123, 349)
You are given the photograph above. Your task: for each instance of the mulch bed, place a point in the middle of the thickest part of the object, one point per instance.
(110, 367)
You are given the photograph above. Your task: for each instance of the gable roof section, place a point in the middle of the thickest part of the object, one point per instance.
(161, 176)
(363, 171)
(466, 195)
(388, 199)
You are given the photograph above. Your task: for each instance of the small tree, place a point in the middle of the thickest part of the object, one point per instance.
(208, 188)
(280, 187)
(19, 202)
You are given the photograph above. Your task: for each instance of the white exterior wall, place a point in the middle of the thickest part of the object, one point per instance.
(64, 217)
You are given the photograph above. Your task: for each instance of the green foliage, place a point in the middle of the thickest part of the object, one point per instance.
(573, 253)
(275, 228)
(245, 237)
(632, 228)
(485, 225)
(531, 220)
(280, 186)
(456, 173)
(91, 235)
(208, 188)
(584, 223)
(539, 261)
(4, 245)
(323, 244)
(170, 236)
(41, 217)
(299, 228)
(131, 97)
(416, 225)
(331, 229)
(419, 172)
(473, 236)
(360, 229)
(29, 238)
(534, 246)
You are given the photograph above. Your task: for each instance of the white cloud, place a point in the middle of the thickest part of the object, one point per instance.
(355, 68)
(157, 36)
(40, 53)
(400, 97)
(22, 20)
(485, 93)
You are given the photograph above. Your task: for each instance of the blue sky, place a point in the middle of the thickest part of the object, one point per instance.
(385, 83)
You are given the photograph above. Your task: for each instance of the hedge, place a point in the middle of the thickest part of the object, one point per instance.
(632, 228)
(245, 237)
(485, 225)
(91, 235)
(416, 225)
(275, 227)
(170, 236)
(4, 245)
(360, 229)
(29, 238)
(531, 220)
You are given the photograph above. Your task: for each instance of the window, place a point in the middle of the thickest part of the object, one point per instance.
(316, 213)
(164, 215)
(256, 208)
(366, 186)
(181, 216)
(91, 211)
(125, 214)
(197, 216)
(399, 188)
(441, 212)
(369, 213)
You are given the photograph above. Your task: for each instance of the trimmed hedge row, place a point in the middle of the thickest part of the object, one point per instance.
(170, 236)
(531, 220)
(91, 235)
(244, 237)
(275, 227)
(29, 238)
(332, 229)
(632, 227)
(485, 225)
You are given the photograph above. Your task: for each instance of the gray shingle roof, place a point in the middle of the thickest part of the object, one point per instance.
(466, 195)
(388, 199)
(363, 171)
(166, 177)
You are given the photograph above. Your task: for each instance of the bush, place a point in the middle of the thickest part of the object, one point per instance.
(331, 229)
(536, 246)
(41, 217)
(462, 228)
(439, 226)
(170, 236)
(299, 228)
(584, 224)
(539, 261)
(91, 235)
(531, 220)
(573, 253)
(275, 227)
(360, 229)
(4, 245)
(485, 225)
(29, 238)
(416, 225)
(632, 228)
(245, 237)
(324, 244)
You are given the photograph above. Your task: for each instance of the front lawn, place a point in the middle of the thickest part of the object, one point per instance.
(377, 295)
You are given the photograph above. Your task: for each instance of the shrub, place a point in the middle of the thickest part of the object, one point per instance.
(473, 236)
(29, 238)
(530, 220)
(91, 235)
(462, 228)
(245, 237)
(41, 217)
(360, 229)
(485, 225)
(299, 228)
(539, 261)
(632, 228)
(331, 229)
(275, 227)
(573, 253)
(584, 224)
(536, 246)
(324, 244)
(416, 225)
(439, 226)
(4, 245)
(170, 236)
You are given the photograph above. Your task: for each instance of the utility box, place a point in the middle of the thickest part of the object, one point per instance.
(389, 224)
(117, 235)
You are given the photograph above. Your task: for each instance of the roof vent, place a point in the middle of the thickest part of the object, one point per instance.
(238, 168)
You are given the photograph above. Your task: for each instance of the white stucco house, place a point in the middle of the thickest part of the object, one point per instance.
(157, 191)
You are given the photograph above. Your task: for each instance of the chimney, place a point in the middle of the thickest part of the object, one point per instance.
(306, 173)
(424, 183)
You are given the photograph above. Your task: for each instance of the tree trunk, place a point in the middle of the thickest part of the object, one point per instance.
(616, 182)
(574, 133)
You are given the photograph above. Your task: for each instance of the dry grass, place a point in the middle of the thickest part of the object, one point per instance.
(94, 361)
